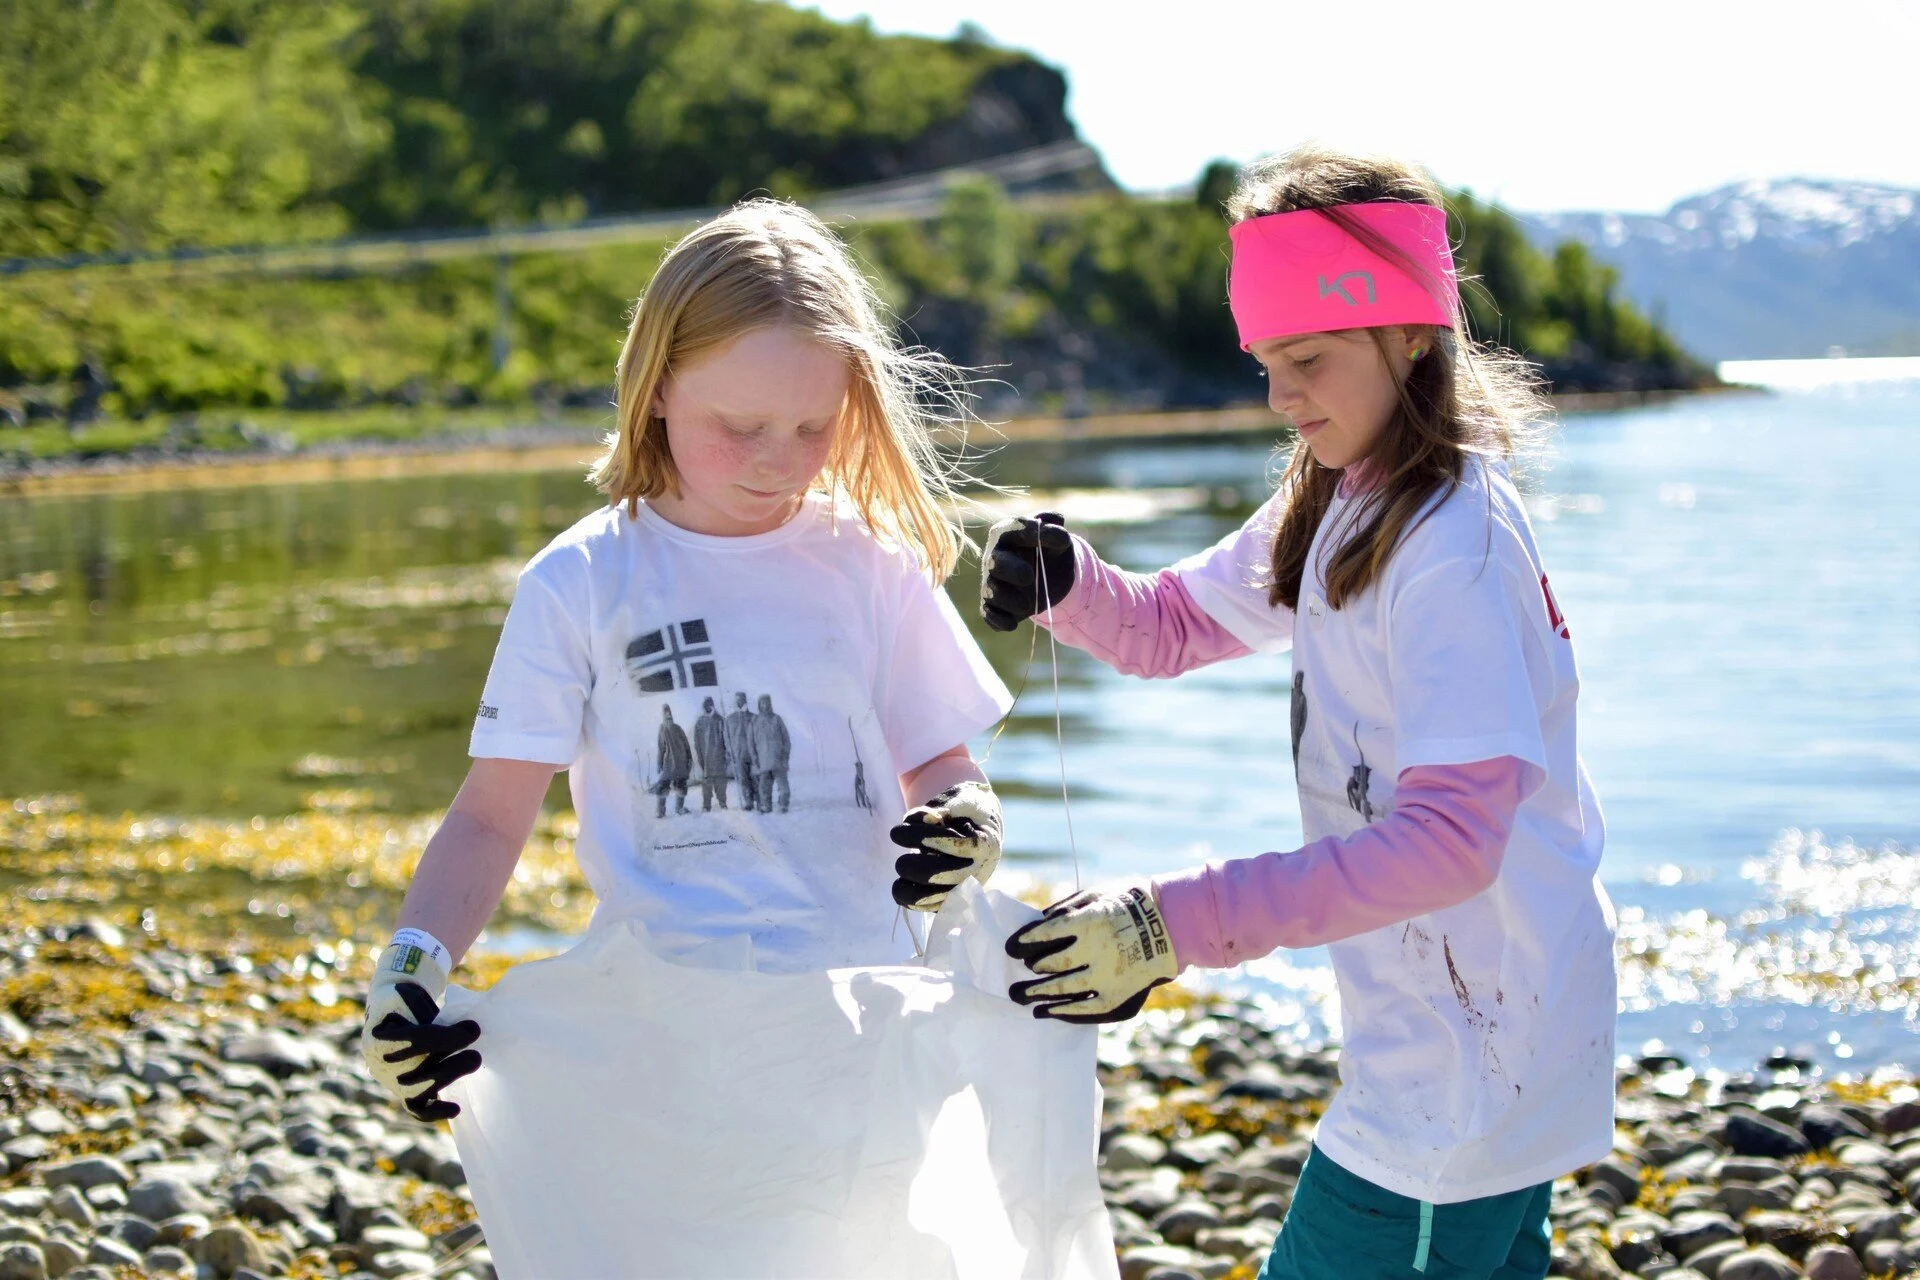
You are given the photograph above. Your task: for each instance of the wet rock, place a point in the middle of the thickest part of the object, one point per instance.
(1752, 1134)
(1692, 1232)
(1822, 1125)
(85, 1172)
(69, 1205)
(158, 1199)
(1881, 1224)
(1763, 1263)
(1791, 1233)
(385, 1239)
(227, 1248)
(24, 1202)
(1833, 1262)
(48, 1122)
(1583, 1257)
(1136, 1264)
(400, 1262)
(1740, 1198)
(167, 1260)
(1236, 1242)
(62, 1256)
(1746, 1169)
(1207, 1149)
(24, 1151)
(1707, 1262)
(1900, 1118)
(1153, 1194)
(1620, 1173)
(1129, 1151)
(278, 1053)
(108, 1251)
(138, 1234)
(31, 1232)
(1180, 1223)
(20, 1260)
(108, 1197)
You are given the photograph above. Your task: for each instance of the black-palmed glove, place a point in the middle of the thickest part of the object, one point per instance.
(1027, 568)
(1097, 954)
(406, 1049)
(953, 836)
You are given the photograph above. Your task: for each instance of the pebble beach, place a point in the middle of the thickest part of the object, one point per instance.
(178, 1109)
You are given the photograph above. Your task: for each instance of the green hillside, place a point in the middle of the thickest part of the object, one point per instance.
(141, 125)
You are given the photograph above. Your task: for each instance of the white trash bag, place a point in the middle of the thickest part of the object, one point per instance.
(638, 1117)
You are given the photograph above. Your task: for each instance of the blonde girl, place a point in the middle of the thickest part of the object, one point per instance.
(756, 612)
(1453, 837)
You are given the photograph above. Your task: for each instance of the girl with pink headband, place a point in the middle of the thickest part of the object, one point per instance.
(1453, 839)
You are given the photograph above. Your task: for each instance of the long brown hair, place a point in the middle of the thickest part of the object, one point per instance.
(767, 262)
(1461, 399)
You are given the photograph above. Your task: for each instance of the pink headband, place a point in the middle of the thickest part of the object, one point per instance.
(1302, 272)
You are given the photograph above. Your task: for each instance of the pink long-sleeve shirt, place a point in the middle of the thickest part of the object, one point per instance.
(1441, 845)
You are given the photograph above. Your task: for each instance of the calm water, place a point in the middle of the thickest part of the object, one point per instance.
(1738, 574)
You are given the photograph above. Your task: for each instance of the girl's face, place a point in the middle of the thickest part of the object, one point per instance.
(1336, 388)
(750, 426)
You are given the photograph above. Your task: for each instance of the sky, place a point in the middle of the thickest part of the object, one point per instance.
(1626, 106)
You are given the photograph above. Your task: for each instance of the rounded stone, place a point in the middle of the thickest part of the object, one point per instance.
(86, 1172)
(1833, 1262)
(1822, 1125)
(22, 1260)
(1182, 1222)
(229, 1247)
(1763, 1263)
(1129, 1151)
(107, 1251)
(167, 1260)
(158, 1199)
(1752, 1134)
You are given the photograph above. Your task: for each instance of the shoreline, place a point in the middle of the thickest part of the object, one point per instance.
(558, 448)
(199, 1108)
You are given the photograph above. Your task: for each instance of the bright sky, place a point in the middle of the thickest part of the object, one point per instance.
(1627, 105)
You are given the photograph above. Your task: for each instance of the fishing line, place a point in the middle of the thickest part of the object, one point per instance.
(1059, 731)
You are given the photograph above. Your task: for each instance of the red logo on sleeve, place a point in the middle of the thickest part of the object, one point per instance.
(1555, 618)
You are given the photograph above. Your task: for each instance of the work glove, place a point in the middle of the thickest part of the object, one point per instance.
(952, 836)
(1098, 955)
(1012, 585)
(408, 1051)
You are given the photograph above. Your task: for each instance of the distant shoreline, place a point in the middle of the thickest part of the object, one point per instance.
(559, 448)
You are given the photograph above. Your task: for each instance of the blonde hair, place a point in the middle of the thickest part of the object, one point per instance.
(768, 262)
(1461, 400)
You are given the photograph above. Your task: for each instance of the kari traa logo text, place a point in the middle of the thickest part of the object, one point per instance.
(679, 656)
(1338, 286)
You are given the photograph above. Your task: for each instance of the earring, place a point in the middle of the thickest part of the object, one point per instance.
(1416, 353)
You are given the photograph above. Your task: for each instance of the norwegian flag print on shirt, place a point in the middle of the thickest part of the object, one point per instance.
(678, 656)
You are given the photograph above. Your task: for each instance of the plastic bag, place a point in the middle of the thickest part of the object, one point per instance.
(639, 1116)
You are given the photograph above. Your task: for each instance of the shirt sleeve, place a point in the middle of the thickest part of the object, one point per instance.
(1443, 843)
(1139, 625)
(1229, 582)
(936, 688)
(1469, 677)
(534, 706)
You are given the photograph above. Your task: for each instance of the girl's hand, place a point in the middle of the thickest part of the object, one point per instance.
(406, 1048)
(1098, 955)
(1027, 568)
(954, 835)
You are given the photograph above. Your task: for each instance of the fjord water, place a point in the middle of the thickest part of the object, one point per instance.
(1738, 573)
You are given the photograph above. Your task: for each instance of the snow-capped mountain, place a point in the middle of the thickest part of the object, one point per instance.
(1792, 267)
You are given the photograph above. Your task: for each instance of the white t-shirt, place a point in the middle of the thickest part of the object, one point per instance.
(677, 674)
(1478, 1040)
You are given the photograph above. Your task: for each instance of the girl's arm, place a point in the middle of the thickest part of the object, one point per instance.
(470, 858)
(948, 769)
(1140, 624)
(1441, 845)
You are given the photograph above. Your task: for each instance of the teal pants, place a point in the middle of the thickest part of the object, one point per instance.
(1342, 1225)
